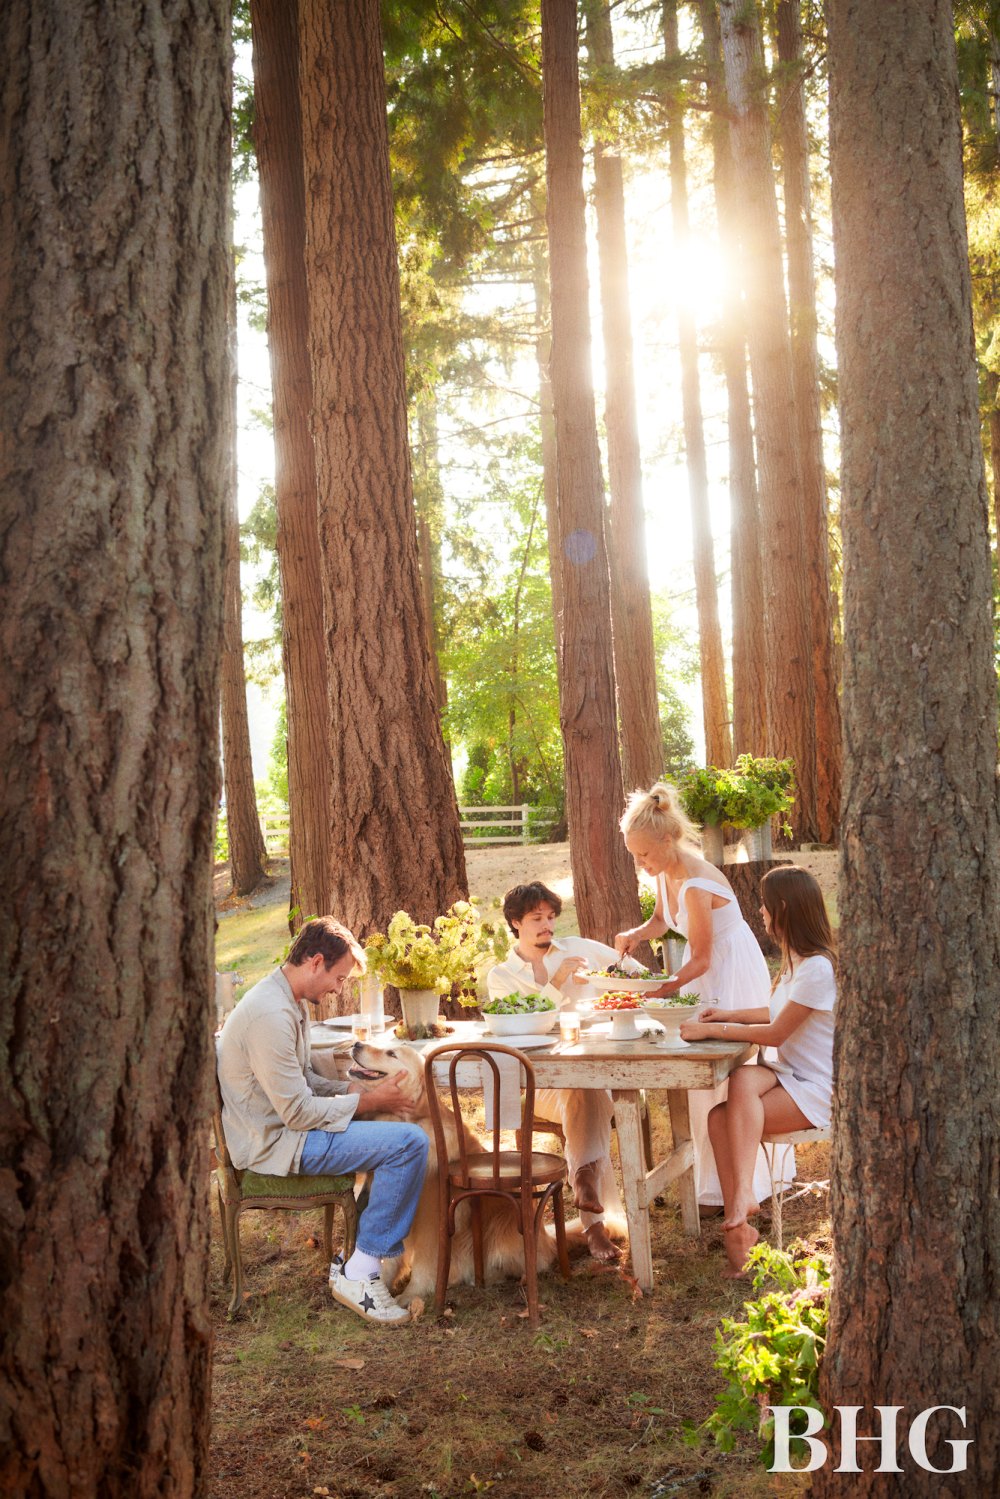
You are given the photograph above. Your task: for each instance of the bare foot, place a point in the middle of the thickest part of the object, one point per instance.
(601, 1246)
(742, 1209)
(585, 1188)
(739, 1242)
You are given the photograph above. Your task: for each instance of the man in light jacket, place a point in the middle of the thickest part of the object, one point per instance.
(282, 1118)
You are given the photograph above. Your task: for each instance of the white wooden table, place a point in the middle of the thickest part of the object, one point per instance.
(625, 1068)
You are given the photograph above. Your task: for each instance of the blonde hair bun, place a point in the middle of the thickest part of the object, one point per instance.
(658, 811)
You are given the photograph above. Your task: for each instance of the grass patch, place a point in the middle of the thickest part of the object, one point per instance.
(251, 941)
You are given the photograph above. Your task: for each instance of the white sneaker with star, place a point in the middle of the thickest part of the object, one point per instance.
(369, 1298)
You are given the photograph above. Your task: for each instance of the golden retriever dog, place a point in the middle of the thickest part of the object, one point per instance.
(503, 1254)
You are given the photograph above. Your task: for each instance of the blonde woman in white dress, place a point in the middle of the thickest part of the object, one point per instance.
(792, 1088)
(723, 962)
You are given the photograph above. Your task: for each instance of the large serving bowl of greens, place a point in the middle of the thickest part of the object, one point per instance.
(520, 1015)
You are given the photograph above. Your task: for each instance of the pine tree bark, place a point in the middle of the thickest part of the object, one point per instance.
(550, 478)
(604, 881)
(793, 139)
(114, 382)
(631, 613)
(916, 1210)
(428, 496)
(715, 706)
(394, 837)
(247, 853)
(993, 418)
(547, 429)
(749, 649)
(278, 142)
(788, 641)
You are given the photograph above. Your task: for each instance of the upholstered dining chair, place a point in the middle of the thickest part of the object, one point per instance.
(240, 1190)
(527, 1179)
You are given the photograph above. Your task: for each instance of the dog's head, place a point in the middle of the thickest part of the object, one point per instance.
(371, 1065)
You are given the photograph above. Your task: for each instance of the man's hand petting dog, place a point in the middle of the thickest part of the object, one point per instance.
(386, 1098)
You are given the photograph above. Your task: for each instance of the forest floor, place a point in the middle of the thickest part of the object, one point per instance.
(309, 1401)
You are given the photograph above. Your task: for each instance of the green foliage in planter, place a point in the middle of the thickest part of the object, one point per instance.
(701, 796)
(772, 1358)
(745, 797)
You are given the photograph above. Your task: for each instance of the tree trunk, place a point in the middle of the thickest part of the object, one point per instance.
(788, 679)
(715, 707)
(428, 498)
(114, 383)
(247, 854)
(394, 837)
(993, 392)
(547, 426)
(278, 141)
(745, 880)
(550, 480)
(749, 647)
(631, 614)
(916, 1209)
(794, 142)
(604, 880)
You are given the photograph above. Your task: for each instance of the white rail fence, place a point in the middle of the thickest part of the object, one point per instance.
(480, 825)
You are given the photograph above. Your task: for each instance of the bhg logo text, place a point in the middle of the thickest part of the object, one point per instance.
(886, 1442)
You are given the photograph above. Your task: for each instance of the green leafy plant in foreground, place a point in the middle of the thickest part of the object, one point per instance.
(771, 1358)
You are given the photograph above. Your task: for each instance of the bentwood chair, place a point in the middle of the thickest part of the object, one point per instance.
(777, 1165)
(529, 1180)
(240, 1190)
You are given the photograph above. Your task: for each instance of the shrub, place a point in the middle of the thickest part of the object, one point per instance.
(773, 1357)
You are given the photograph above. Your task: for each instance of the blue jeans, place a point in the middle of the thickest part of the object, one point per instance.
(396, 1154)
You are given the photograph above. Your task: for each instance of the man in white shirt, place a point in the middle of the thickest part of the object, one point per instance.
(539, 963)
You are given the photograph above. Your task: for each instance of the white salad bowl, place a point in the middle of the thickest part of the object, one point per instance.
(532, 1023)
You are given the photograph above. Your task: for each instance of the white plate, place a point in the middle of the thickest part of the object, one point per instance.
(626, 986)
(521, 1043)
(338, 1022)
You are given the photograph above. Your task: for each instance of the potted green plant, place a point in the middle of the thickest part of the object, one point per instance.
(427, 962)
(765, 789)
(702, 799)
(746, 797)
